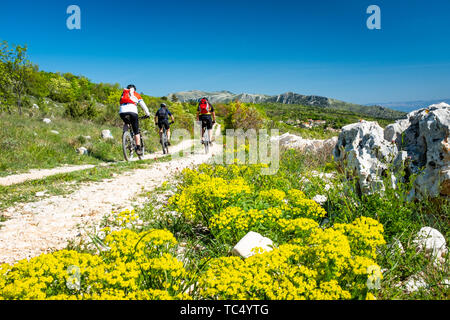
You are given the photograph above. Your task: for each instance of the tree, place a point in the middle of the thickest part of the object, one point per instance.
(38, 83)
(5, 79)
(174, 98)
(61, 89)
(18, 68)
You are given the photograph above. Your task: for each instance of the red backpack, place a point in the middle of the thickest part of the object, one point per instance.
(126, 97)
(205, 107)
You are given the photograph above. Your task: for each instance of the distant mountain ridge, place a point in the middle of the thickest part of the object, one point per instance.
(219, 96)
(408, 106)
(287, 98)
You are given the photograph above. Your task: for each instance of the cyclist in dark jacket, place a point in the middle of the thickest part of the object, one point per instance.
(162, 120)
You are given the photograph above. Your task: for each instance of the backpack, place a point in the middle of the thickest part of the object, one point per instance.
(205, 107)
(163, 114)
(127, 97)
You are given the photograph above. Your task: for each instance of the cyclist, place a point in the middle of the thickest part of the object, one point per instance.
(207, 115)
(162, 120)
(129, 112)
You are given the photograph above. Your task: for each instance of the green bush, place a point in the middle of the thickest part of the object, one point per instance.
(85, 110)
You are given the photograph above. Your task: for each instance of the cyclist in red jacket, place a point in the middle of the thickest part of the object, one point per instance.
(207, 115)
(128, 109)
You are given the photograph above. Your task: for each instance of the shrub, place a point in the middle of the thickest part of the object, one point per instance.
(85, 110)
(131, 266)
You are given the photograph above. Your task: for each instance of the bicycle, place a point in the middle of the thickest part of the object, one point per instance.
(165, 140)
(129, 143)
(206, 138)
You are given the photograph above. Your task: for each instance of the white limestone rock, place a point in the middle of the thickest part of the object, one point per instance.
(106, 134)
(432, 243)
(245, 247)
(82, 151)
(362, 148)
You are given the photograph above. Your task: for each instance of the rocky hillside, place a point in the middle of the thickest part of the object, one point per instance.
(218, 97)
(290, 98)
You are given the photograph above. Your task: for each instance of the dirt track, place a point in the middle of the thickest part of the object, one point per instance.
(46, 225)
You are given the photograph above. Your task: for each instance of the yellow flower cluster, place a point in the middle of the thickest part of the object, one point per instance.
(294, 216)
(275, 275)
(300, 206)
(237, 219)
(328, 251)
(232, 171)
(135, 266)
(298, 227)
(126, 217)
(206, 194)
(323, 265)
(365, 234)
(273, 196)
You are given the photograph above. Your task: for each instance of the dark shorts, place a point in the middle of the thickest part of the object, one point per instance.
(132, 119)
(207, 121)
(164, 123)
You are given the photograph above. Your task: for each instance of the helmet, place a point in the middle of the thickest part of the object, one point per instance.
(163, 105)
(204, 98)
(131, 86)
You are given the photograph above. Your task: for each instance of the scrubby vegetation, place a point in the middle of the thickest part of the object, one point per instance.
(180, 248)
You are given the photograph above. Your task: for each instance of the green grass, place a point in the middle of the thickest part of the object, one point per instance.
(28, 143)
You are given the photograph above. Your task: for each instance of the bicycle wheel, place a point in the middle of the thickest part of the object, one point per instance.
(128, 146)
(142, 149)
(207, 141)
(164, 142)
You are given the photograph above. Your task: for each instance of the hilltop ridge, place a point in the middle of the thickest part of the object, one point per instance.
(288, 98)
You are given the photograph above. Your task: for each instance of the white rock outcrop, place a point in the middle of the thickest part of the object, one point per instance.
(426, 143)
(364, 152)
(418, 145)
(246, 247)
(293, 141)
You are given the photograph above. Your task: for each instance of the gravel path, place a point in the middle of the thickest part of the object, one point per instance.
(49, 224)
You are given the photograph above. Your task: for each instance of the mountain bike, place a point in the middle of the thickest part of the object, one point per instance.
(165, 140)
(129, 143)
(206, 138)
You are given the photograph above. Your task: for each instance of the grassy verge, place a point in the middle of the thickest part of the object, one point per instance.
(28, 143)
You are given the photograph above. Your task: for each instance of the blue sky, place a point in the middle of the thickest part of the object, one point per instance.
(320, 47)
